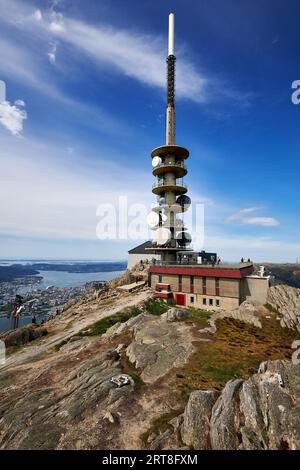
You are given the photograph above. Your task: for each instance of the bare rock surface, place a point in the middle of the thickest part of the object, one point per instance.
(63, 414)
(23, 335)
(286, 300)
(196, 422)
(159, 346)
(260, 413)
(177, 314)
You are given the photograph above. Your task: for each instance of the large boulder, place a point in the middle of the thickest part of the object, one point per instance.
(196, 423)
(158, 347)
(286, 300)
(174, 314)
(22, 335)
(225, 419)
(260, 413)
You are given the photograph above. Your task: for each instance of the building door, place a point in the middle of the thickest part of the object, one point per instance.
(180, 299)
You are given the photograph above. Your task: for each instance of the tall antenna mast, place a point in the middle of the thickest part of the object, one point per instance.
(170, 115)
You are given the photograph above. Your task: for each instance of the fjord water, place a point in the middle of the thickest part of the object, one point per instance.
(61, 279)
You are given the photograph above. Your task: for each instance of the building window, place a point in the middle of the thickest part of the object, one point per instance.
(180, 283)
(192, 299)
(204, 301)
(217, 303)
(211, 302)
(192, 284)
(159, 278)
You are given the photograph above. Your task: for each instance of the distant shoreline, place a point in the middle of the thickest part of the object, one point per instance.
(16, 270)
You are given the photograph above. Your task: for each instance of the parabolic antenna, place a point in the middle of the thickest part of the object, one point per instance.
(164, 217)
(162, 235)
(183, 238)
(179, 224)
(184, 201)
(153, 219)
(156, 161)
(161, 200)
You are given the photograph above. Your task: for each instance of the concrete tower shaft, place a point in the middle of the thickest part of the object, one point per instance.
(170, 169)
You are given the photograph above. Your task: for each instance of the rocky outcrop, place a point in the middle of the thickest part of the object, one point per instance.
(247, 312)
(286, 300)
(158, 346)
(260, 413)
(196, 424)
(119, 328)
(23, 335)
(177, 314)
(79, 412)
(225, 418)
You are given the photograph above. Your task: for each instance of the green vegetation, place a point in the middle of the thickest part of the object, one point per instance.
(272, 309)
(60, 345)
(234, 351)
(101, 326)
(156, 306)
(14, 349)
(153, 306)
(199, 317)
(130, 369)
(159, 425)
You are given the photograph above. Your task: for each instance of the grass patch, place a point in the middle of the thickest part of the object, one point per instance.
(101, 326)
(272, 309)
(159, 425)
(60, 345)
(156, 306)
(236, 350)
(130, 369)
(14, 349)
(199, 317)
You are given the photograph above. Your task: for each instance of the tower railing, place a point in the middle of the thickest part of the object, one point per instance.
(158, 184)
(163, 164)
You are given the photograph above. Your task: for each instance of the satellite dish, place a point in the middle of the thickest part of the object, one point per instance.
(179, 224)
(156, 161)
(183, 238)
(152, 219)
(164, 217)
(162, 235)
(162, 200)
(184, 201)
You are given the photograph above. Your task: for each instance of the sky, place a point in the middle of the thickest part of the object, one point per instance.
(82, 105)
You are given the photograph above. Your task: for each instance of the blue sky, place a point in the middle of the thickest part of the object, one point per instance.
(85, 104)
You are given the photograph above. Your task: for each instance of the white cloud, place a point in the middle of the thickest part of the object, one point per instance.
(37, 15)
(135, 54)
(52, 53)
(22, 64)
(258, 220)
(247, 210)
(57, 23)
(12, 117)
(48, 192)
(20, 103)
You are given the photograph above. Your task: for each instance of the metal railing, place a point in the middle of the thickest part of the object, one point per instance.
(188, 247)
(159, 184)
(163, 164)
